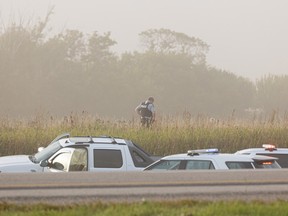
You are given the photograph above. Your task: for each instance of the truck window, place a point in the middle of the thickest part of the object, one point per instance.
(138, 157)
(107, 158)
(70, 159)
(61, 161)
(78, 160)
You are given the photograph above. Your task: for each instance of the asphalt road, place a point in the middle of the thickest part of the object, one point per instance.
(79, 187)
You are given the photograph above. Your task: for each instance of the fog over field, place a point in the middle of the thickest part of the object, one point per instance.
(241, 52)
(248, 38)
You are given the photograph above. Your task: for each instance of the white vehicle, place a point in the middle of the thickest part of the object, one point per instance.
(211, 159)
(269, 150)
(66, 154)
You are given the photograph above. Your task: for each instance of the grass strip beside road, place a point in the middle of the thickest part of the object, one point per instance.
(147, 208)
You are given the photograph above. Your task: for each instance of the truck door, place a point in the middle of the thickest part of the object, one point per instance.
(68, 160)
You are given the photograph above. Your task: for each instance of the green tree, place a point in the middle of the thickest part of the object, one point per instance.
(272, 92)
(99, 49)
(222, 93)
(19, 65)
(171, 42)
(73, 71)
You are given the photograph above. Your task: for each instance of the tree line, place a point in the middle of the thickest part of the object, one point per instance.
(74, 71)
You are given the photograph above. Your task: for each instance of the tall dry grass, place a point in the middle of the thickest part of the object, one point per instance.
(169, 135)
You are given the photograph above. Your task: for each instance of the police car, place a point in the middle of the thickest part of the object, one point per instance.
(268, 150)
(211, 159)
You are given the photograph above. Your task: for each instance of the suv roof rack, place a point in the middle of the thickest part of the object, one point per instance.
(93, 139)
(202, 151)
(113, 139)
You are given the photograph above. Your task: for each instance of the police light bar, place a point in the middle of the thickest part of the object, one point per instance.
(202, 151)
(269, 147)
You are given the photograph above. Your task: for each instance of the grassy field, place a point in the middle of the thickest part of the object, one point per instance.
(176, 208)
(167, 136)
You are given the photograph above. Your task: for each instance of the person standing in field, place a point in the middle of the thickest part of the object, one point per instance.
(147, 112)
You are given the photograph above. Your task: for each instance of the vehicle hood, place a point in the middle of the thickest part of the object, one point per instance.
(15, 159)
(18, 163)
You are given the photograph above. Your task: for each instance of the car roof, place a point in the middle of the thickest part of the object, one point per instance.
(261, 150)
(218, 156)
(266, 149)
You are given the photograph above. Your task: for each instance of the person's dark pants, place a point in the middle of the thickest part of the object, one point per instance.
(146, 121)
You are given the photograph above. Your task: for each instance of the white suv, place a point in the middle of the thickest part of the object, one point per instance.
(211, 159)
(268, 150)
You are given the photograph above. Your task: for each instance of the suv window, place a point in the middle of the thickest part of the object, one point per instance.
(166, 165)
(282, 158)
(107, 158)
(239, 165)
(199, 164)
(265, 164)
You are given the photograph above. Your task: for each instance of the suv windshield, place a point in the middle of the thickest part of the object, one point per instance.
(46, 152)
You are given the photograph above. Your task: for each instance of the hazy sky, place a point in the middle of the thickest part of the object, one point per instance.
(246, 37)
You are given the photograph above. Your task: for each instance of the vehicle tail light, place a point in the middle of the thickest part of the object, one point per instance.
(267, 163)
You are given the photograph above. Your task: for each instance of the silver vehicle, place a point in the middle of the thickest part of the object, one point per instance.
(211, 159)
(66, 154)
(268, 150)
